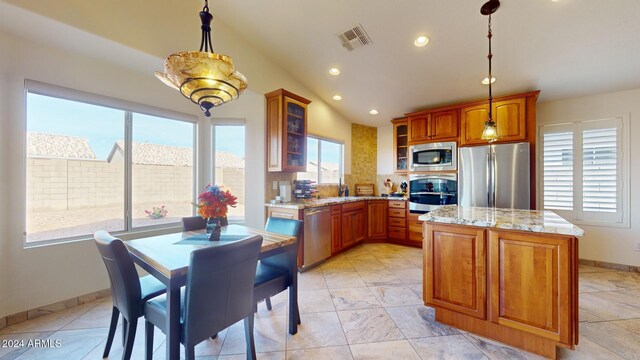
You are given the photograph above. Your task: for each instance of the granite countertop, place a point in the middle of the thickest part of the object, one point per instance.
(311, 203)
(509, 219)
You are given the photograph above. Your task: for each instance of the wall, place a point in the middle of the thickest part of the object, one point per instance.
(601, 243)
(385, 161)
(37, 276)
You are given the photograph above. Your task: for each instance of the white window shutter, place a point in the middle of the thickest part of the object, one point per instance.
(557, 166)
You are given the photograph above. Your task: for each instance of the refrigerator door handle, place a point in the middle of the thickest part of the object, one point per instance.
(493, 177)
(489, 187)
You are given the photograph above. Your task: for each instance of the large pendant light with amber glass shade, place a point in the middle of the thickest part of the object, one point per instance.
(204, 77)
(490, 132)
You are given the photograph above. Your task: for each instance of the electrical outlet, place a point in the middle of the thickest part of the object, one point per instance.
(275, 185)
(637, 245)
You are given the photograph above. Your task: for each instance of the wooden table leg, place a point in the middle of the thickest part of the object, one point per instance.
(173, 323)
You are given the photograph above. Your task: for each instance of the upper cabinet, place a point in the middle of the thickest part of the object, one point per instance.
(510, 117)
(286, 131)
(400, 143)
(433, 126)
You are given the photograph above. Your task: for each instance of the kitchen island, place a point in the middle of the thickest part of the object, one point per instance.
(505, 274)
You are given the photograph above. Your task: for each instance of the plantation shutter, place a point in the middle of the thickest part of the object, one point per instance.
(558, 170)
(601, 171)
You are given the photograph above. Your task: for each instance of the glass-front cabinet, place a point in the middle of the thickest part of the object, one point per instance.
(400, 132)
(286, 131)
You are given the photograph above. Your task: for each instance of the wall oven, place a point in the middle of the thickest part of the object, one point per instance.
(433, 157)
(428, 192)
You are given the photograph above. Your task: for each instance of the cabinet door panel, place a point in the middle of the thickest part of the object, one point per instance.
(347, 229)
(456, 269)
(419, 128)
(529, 284)
(444, 125)
(274, 134)
(359, 226)
(472, 122)
(510, 117)
(377, 219)
(336, 232)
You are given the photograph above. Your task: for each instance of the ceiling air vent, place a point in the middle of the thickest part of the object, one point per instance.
(354, 38)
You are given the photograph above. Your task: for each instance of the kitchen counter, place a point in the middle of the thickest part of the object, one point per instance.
(507, 219)
(312, 203)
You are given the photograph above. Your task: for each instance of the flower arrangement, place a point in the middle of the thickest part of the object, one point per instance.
(214, 202)
(157, 212)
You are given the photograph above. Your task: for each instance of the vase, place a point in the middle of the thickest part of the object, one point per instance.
(214, 228)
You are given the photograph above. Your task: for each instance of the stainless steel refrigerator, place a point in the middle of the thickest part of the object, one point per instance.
(494, 176)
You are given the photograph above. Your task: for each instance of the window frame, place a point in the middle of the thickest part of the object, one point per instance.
(129, 109)
(340, 165)
(577, 214)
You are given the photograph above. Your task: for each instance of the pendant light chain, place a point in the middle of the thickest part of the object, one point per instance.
(490, 56)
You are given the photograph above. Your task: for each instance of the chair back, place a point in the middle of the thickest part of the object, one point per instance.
(125, 284)
(193, 223)
(219, 288)
(285, 227)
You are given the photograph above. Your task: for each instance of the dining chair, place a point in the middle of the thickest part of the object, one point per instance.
(198, 223)
(128, 291)
(273, 274)
(218, 293)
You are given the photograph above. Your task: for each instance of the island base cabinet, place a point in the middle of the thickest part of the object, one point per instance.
(520, 288)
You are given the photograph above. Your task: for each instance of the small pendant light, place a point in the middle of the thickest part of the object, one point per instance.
(490, 132)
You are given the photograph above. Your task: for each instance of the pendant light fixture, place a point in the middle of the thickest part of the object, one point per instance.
(490, 132)
(204, 77)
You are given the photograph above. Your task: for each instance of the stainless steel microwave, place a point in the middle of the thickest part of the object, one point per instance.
(433, 157)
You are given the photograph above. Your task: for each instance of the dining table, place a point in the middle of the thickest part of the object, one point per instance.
(166, 257)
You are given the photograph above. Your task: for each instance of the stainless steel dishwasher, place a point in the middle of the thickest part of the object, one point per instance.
(317, 235)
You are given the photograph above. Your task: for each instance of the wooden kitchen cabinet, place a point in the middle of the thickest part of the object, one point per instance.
(400, 145)
(336, 229)
(353, 224)
(377, 219)
(523, 268)
(517, 287)
(509, 115)
(455, 275)
(415, 229)
(286, 131)
(397, 230)
(436, 126)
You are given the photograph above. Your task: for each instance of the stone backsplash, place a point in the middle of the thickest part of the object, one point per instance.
(364, 153)
(395, 179)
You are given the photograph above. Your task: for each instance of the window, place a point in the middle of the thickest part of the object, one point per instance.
(229, 171)
(585, 170)
(324, 161)
(92, 167)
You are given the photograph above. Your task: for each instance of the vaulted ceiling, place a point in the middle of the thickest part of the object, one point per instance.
(565, 48)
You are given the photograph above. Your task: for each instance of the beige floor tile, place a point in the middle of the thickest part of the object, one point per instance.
(395, 295)
(613, 338)
(54, 321)
(608, 281)
(354, 299)
(418, 261)
(587, 316)
(498, 351)
(73, 344)
(343, 280)
(367, 264)
(379, 277)
(446, 347)
(317, 330)
(269, 335)
(98, 317)
(309, 280)
(390, 350)
(395, 263)
(322, 353)
(312, 301)
(418, 289)
(385, 254)
(369, 325)
(15, 344)
(632, 325)
(339, 265)
(138, 344)
(583, 269)
(276, 355)
(409, 276)
(608, 305)
(418, 321)
(279, 305)
(586, 350)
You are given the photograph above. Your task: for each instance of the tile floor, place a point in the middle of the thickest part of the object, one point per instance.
(364, 304)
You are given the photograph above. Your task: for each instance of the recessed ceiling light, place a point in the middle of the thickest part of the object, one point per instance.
(555, 0)
(485, 81)
(373, 112)
(334, 71)
(337, 97)
(421, 41)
